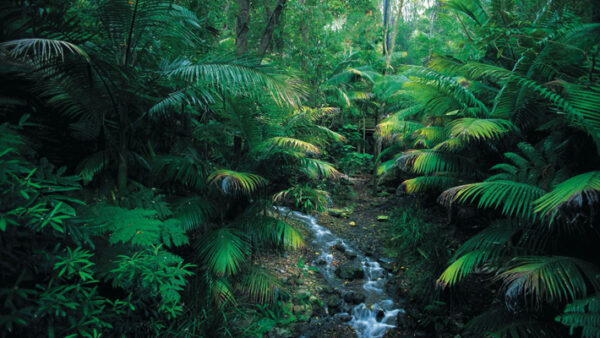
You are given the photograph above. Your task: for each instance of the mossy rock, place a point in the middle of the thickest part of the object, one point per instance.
(340, 213)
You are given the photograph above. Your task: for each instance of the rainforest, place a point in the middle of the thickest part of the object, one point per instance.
(300, 168)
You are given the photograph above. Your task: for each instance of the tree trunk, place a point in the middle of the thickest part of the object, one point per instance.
(265, 41)
(123, 150)
(392, 42)
(241, 35)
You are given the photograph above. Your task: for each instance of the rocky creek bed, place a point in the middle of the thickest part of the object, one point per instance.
(354, 295)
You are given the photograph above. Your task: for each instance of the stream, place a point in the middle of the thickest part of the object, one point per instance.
(368, 320)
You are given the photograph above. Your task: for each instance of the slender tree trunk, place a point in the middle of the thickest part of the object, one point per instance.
(434, 16)
(241, 34)
(392, 42)
(364, 134)
(265, 41)
(123, 150)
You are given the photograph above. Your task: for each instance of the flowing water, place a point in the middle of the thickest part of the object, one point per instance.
(378, 313)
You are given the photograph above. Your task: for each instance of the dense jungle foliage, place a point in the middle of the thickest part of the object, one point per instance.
(143, 145)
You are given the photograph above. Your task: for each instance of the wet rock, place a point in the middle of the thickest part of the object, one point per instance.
(344, 317)
(369, 251)
(327, 289)
(339, 247)
(339, 213)
(349, 271)
(320, 261)
(380, 315)
(388, 266)
(354, 297)
(382, 218)
(334, 303)
(350, 254)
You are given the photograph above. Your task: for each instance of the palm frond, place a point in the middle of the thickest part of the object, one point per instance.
(551, 279)
(424, 183)
(427, 161)
(485, 248)
(242, 76)
(315, 168)
(260, 285)
(293, 143)
(575, 188)
(499, 322)
(237, 182)
(223, 251)
(480, 129)
(194, 212)
(515, 198)
(40, 50)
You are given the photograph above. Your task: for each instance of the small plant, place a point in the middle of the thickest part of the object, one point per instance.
(304, 198)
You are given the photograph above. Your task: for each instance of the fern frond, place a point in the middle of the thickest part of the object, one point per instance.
(584, 314)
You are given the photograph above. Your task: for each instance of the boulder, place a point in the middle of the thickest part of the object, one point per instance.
(334, 303)
(349, 271)
(344, 317)
(354, 297)
(339, 213)
(320, 261)
(327, 289)
(339, 247)
(350, 254)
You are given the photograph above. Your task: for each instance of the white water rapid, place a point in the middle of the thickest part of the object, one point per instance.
(377, 313)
